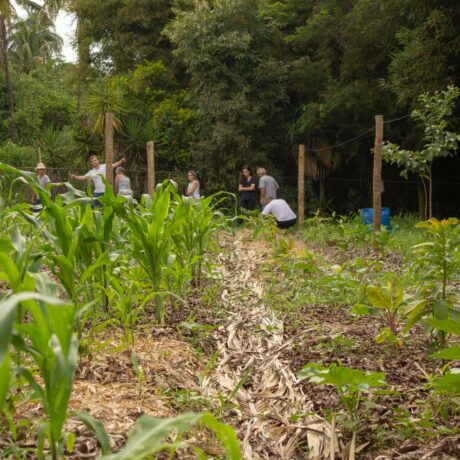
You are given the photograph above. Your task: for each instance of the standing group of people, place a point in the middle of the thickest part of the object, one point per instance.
(268, 187)
(248, 186)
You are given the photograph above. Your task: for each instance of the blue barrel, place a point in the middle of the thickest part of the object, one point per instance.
(367, 217)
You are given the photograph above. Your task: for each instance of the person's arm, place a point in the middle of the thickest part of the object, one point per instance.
(251, 187)
(119, 162)
(74, 176)
(262, 195)
(267, 210)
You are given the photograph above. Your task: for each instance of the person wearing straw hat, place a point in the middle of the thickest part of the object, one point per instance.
(43, 180)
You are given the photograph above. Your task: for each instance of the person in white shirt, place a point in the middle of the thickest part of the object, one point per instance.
(193, 187)
(95, 174)
(284, 215)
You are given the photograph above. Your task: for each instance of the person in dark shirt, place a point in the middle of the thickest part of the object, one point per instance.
(248, 189)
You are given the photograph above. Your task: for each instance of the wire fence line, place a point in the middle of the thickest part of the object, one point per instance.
(330, 147)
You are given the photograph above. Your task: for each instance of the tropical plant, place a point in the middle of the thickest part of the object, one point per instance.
(438, 261)
(105, 96)
(350, 383)
(6, 11)
(56, 145)
(449, 382)
(386, 299)
(32, 42)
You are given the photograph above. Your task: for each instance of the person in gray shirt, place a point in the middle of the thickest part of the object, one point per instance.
(267, 186)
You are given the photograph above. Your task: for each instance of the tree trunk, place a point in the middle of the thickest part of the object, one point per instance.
(430, 208)
(421, 198)
(322, 195)
(377, 175)
(9, 88)
(83, 61)
(301, 186)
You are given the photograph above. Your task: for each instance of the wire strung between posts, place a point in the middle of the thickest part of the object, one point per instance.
(356, 137)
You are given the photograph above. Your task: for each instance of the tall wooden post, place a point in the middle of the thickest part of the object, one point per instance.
(377, 177)
(108, 139)
(301, 185)
(150, 167)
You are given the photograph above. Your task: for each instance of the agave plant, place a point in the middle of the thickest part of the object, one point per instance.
(105, 96)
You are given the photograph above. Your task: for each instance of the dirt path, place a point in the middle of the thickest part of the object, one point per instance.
(269, 400)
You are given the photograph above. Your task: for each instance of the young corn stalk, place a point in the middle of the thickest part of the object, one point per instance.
(50, 342)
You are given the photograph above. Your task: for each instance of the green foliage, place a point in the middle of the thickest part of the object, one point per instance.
(432, 114)
(237, 85)
(134, 31)
(48, 339)
(19, 156)
(387, 299)
(438, 261)
(33, 42)
(149, 436)
(42, 99)
(105, 96)
(449, 382)
(439, 257)
(350, 384)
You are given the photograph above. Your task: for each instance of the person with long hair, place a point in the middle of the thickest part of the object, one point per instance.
(193, 187)
(248, 189)
(122, 186)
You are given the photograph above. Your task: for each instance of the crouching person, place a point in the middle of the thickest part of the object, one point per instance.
(284, 215)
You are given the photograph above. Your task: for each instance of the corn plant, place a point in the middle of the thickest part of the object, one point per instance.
(125, 303)
(18, 259)
(151, 226)
(198, 220)
(48, 339)
(77, 238)
(150, 436)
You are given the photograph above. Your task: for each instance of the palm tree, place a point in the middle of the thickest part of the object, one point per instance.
(32, 41)
(6, 11)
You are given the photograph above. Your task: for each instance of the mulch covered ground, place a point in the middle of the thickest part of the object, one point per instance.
(226, 317)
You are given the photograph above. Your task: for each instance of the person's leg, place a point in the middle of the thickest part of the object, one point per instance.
(243, 208)
(95, 203)
(286, 223)
(251, 205)
(244, 204)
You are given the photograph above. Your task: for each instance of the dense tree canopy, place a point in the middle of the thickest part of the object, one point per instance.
(222, 83)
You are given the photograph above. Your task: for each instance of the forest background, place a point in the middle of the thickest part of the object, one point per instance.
(222, 83)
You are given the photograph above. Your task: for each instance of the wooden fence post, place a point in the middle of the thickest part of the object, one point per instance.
(301, 186)
(108, 140)
(150, 167)
(377, 176)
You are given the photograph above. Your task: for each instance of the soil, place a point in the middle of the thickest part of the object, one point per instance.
(227, 318)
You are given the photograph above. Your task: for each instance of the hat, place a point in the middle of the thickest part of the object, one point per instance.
(40, 166)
